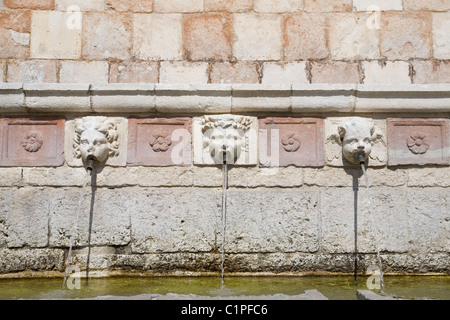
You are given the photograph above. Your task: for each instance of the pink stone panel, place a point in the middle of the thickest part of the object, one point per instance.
(418, 141)
(159, 141)
(32, 142)
(299, 141)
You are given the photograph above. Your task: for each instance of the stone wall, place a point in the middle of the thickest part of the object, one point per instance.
(155, 66)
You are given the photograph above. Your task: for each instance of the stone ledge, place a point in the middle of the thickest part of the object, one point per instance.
(222, 98)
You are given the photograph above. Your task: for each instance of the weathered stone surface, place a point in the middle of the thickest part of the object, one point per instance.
(378, 5)
(305, 37)
(275, 73)
(324, 98)
(2, 71)
(418, 141)
(183, 72)
(55, 35)
(40, 71)
(441, 38)
(414, 40)
(228, 5)
(159, 141)
(435, 5)
(31, 259)
(25, 220)
(267, 97)
(328, 6)
(15, 34)
(269, 6)
(379, 72)
(429, 177)
(381, 220)
(80, 5)
(257, 36)
(178, 5)
(336, 72)
(32, 142)
(174, 220)
(10, 177)
(352, 37)
(291, 141)
(157, 36)
(110, 217)
(431, 71)
(84, 72)
(265, 177)
(30, 4)
(275, 221)
(106, 35)
(239, 72)
(131, 5)
(207, 36)
(134, 72)
(56, 177)
(429, 219)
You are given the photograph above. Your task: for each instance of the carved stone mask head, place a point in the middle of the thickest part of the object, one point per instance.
(357, 139)
(96, 138)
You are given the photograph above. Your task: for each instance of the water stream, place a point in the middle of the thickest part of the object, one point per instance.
(224, 216)
(75, 224)
(373, 225)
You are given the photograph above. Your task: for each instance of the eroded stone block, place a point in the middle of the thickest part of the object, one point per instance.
(418, 141)
(32, 142)
(291, 141)
(159, 141)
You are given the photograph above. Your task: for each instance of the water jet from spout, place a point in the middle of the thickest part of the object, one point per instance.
(224, 213)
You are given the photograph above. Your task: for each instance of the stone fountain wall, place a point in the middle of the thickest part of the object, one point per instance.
(299, 68)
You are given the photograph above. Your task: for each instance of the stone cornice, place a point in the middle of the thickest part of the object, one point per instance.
(16, 98)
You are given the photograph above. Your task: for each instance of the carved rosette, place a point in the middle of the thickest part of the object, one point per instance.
(291, 141)
(418, 142)
(33, 141)
(160, 142)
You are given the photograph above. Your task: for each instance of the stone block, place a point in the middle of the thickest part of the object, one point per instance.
(183, 72)
(207, 37)
(333, 144)
(63, 176)
(118, 160)
(381, 218)
(378, 5)
(428, 217)
(84, 72)
(157, 36)
(441, 37)
(12, 98)
(431, 71)
(420, 5)
(291, 141)
(261, 221)
(257, 36)
(269, 6)
(106, 36)
(30, 4)
(159, 141)
(57, 98)
(237, 133)
(15, 34)
(2, 71)
(134, 72)
(238, 72)
(328, 6)
(418, 141)
(120, 97)
(429, 177)
(32, 71)
(228, 5)
(277, 177)
(335, 72)
(254, 97)
(178, 6)
(305, 37)
(167, 220)
(353, 37)
(32, 142)
(379, 72)
(108, 210)
(26, 219)
(10, 176)
(414, 40)
(193, 98)
(289, 73)
(55, 35)
(31, 259)
(79, 5)
(130, 5)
